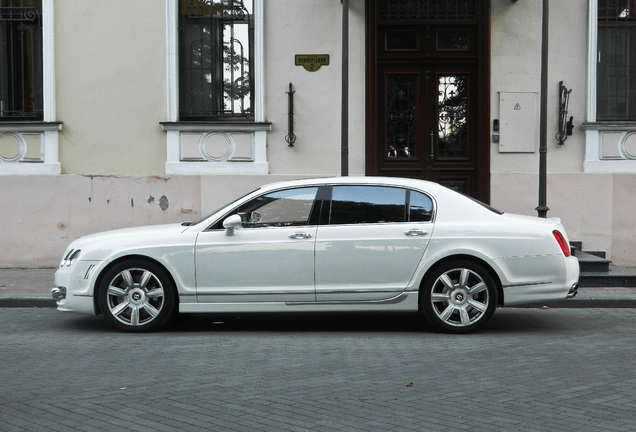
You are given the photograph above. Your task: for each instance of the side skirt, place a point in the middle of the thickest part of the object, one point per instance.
(407, 301)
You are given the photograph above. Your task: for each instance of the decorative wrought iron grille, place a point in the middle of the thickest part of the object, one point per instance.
(401, 95)
(21, 81)
(616, 67)
(215, 66)
(428, 10)
(452, 116)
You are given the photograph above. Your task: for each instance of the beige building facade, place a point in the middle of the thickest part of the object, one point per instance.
(159, 111)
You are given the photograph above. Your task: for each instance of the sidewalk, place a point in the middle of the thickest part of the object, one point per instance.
(32, 288)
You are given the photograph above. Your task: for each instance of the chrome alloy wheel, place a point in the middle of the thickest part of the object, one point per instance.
(135, 297)
(460, 297)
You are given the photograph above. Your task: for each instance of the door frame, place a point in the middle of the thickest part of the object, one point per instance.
(483, 142)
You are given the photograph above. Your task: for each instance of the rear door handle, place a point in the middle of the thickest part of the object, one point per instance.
(415, 233)
(300, 236)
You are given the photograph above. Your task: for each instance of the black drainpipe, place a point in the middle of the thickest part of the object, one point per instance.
(344, 140)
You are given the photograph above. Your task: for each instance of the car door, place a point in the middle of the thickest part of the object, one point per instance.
(373, 242)
(270, 258)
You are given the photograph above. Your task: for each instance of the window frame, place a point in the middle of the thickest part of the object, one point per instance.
(24, 72)
(216, 21)
(177, 131)
(606, 149)
(327, 207)
(616, 23)
(48, 128)
(314, 214)
(258, 203)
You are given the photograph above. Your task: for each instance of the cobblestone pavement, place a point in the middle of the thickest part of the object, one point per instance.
(528, 370)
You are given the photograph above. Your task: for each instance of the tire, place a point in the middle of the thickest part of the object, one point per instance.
(136, 296)
(458, 296)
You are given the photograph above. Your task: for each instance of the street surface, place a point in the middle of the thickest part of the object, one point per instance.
(528, 370)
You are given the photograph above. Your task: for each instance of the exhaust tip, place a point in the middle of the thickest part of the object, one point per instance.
(573, 291)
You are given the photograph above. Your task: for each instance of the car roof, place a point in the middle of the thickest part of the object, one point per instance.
(387, 181)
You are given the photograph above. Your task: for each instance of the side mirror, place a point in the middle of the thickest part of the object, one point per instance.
(231, 224)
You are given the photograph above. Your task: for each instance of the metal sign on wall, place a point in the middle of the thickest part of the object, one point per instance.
(312, 62)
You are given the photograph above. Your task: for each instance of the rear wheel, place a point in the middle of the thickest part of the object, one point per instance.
(136, 296)
(459, 296)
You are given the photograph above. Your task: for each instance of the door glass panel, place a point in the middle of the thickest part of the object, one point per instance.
(401, 101)
(453, 40)
(283, 208)
(367, 204)
(452, 116)
(401, 41)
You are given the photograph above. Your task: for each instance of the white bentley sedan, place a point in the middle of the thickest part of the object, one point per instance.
(338, 244)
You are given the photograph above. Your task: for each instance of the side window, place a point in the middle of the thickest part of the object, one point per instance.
(420, 207)
(290, 207)
(21, 79)
(616, 66)
(367, 204)
(215, 64)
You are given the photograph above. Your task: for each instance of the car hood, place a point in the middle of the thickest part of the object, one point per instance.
(100, 245)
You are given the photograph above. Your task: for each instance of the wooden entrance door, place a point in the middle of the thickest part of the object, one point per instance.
(427, 95)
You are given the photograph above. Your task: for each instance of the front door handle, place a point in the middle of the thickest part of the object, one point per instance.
(415, 233)
(300, 236)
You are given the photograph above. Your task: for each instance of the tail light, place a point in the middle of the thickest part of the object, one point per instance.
(565, 247)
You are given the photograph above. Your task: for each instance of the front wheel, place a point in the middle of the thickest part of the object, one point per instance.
(459, 296)
(136, 296)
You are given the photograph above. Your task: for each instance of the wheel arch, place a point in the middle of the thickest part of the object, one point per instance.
(102, 273)
(471, 258)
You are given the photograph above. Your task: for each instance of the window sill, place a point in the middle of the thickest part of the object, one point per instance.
(37, 144)
(615, 126)
(216, 126)
(30, 126)
(26, 168)
(201, 148)
(609, 147)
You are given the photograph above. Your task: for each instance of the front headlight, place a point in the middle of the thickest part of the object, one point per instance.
(70, 257)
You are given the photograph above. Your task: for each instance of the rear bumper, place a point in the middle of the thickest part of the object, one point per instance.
(562, 283)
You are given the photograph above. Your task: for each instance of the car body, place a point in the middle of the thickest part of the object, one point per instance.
(335, 244)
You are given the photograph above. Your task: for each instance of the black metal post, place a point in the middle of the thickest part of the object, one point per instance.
(291, 137)
(542, 209)
(344, 165)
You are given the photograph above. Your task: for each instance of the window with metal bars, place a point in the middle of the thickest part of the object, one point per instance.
(21, 81)
(616, 62)
(215, 66)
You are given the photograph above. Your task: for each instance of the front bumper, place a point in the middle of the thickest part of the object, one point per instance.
(58, 293)
(73, 288)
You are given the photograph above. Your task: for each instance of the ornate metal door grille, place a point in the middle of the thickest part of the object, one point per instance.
(453, 116)
(401, 91)
(430, 10)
